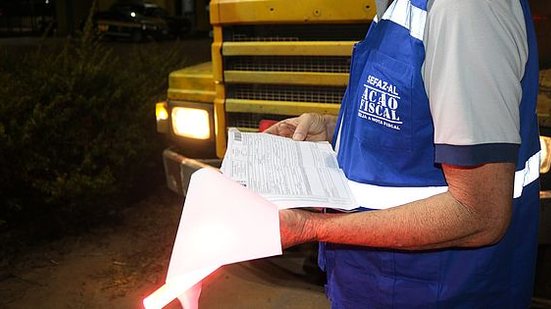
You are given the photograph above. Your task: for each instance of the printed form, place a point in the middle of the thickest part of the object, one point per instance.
(288, 173)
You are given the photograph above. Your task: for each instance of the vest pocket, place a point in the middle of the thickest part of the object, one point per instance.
(383, 103)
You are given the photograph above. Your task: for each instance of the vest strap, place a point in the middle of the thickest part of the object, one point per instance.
(403, 13)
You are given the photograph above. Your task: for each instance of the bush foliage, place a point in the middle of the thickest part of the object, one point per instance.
(77, 128)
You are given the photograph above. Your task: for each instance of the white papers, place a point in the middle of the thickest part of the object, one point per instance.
(287, 172)
(222, 222)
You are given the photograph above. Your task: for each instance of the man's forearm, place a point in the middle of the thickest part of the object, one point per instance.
(436, 222)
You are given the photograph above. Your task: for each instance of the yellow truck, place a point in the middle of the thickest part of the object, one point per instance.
(271, 59)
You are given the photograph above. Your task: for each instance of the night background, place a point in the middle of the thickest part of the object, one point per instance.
(86, 218)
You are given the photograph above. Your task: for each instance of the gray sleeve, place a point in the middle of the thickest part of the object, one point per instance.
(476, 52)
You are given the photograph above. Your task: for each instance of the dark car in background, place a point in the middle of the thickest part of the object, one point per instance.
(138, 22)
(178, 26)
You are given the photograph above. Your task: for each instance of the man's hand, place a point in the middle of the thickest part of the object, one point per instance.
(306, 127)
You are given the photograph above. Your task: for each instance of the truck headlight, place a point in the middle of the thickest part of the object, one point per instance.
(545, 155)
(191, 122)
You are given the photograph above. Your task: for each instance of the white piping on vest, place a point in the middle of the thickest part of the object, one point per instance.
(380, 197)
(338, 139)
(527, 175)
(403, 13)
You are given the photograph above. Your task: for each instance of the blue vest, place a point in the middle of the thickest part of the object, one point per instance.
(384, 138)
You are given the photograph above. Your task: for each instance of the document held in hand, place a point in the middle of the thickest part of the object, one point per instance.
(222, 223)
(286, 172)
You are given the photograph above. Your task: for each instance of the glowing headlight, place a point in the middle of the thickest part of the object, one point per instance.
(545, 155)
(160, 111)
(191, 122)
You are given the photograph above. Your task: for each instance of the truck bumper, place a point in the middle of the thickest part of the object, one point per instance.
(178, 169)
(545, 218)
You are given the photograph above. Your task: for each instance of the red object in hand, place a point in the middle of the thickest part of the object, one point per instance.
(265, 124)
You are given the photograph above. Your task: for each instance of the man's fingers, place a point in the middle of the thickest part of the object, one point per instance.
(304, 124)
(272, 129)
(307, 126)
(284, 128)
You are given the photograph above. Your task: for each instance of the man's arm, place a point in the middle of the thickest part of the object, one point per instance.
(475, 212)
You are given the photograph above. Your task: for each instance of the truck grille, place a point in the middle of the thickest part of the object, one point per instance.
(250, 120)
(288, 90)
(287, 93)
(305, 32)
(327, 64)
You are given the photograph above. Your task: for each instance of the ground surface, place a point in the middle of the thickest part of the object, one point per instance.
(112, 267)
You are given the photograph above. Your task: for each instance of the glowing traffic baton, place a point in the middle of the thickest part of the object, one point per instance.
(183, 287)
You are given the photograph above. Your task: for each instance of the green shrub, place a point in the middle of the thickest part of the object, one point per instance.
(77, 128)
